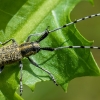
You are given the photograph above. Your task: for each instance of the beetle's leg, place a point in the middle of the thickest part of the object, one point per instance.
(1, 68)
(29, 37)
(35, 64)
(45, 34)
(21, 85)
(8, 41)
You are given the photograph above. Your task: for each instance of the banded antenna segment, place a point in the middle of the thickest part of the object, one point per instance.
(76, 21)
(86, 47)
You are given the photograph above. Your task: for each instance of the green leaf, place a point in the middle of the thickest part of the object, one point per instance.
(34, 17)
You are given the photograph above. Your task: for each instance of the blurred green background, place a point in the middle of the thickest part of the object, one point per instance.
(84, 88)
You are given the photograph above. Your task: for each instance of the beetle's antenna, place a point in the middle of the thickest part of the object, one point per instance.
(76, 21)
(58, 48)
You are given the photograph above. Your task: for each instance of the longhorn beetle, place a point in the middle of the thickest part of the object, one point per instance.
(14, 52)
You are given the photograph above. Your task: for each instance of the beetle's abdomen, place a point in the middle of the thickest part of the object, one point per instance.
(9, 54)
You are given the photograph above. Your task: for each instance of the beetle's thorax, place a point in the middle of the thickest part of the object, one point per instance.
(29, 48)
